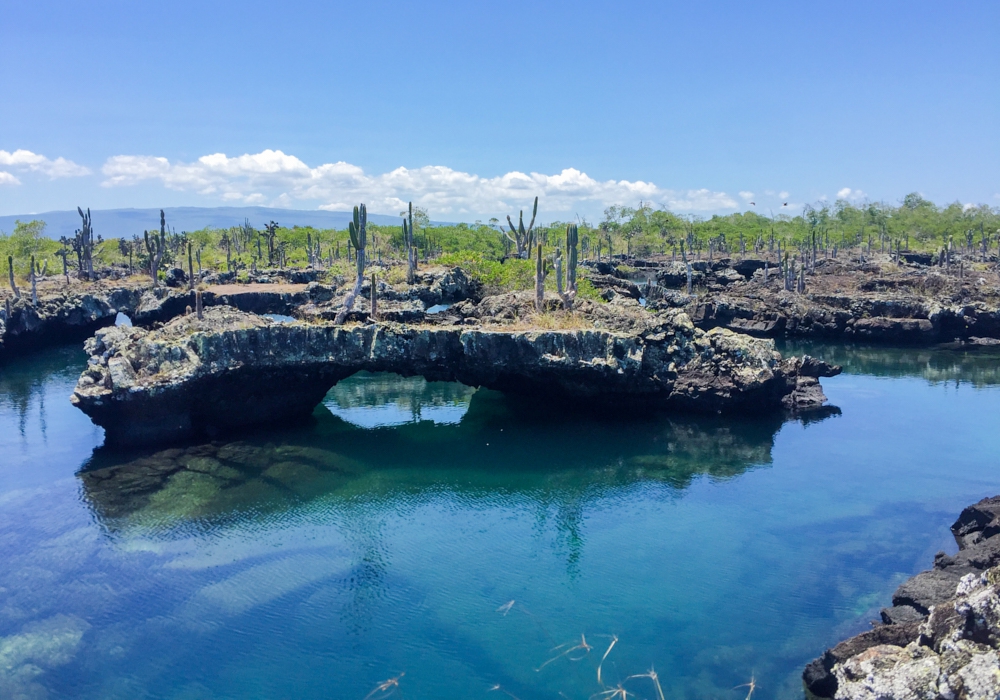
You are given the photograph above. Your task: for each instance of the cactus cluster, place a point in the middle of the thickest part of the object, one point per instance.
(523, 238)
(358, 230)
(83, 245)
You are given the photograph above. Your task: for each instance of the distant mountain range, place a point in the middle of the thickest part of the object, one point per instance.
(116, 223)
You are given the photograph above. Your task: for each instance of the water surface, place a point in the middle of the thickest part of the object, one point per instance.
(466, 541)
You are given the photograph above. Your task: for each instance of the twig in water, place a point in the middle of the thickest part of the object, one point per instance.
(613, 693)
(384, 686)
(614, 640)
(651, 675)
(586, 648)
(509, 605)
(752, 685)
(503, 690)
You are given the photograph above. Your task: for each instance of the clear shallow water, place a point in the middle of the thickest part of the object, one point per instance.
(390, 535)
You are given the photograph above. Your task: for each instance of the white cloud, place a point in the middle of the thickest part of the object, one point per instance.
(848, 193)
(26, 160)
(278, 178)
(8, 179)
(746, 196)
(783, 195)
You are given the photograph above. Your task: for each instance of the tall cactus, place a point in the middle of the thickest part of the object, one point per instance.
(411, 250)
(358, 230)
(156, 246)
(83, 245)
(523, 238)
(190, 267)
(10, 271)
(572, 242)
(34, 283)
(541, 270)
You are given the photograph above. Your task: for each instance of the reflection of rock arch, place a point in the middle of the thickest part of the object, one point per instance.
(504, 445)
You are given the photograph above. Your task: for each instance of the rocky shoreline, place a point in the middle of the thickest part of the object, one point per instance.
(940, 638)
(231, 369)
(879, 299)
(72, 313)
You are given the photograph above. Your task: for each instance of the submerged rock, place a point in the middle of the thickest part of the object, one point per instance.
(234, 369)
(941, 638)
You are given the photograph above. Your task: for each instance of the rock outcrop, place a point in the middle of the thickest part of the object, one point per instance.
(941, 637)
(233, 369)
(62, 318)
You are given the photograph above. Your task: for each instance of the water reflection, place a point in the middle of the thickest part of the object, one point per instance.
(978, 366)
(381, 400)
(496, 448)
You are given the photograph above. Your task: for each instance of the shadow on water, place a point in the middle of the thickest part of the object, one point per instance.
(445, 438)
(977, 366)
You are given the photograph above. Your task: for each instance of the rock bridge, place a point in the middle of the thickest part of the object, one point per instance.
(232, 370)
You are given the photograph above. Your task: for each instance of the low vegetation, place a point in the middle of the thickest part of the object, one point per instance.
(489, 251)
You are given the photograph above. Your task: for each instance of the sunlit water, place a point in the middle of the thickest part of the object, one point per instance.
(467, 542)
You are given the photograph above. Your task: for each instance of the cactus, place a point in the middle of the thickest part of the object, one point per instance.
(34, 283)
(541, 270)
(522, 238)
(10, 271)
(270, 234)
(411, 250)
(190, 268)
(572, 241)
(199, 306)
(156, 246)
(374, 312)
(83, 245)
(358, 230)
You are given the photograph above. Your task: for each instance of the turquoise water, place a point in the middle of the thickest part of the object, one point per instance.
(437, 542)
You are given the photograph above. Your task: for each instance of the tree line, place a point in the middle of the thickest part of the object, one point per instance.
(914, 223)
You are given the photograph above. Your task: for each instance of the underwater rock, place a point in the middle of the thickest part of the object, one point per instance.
(941, 638)
(232, 369)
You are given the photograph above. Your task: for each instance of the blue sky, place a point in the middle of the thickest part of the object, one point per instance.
(473, 108)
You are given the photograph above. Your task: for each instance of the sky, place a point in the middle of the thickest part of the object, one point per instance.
(471, 109)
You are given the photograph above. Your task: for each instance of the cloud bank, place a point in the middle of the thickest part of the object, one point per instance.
(275, 178)
(33, 162)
